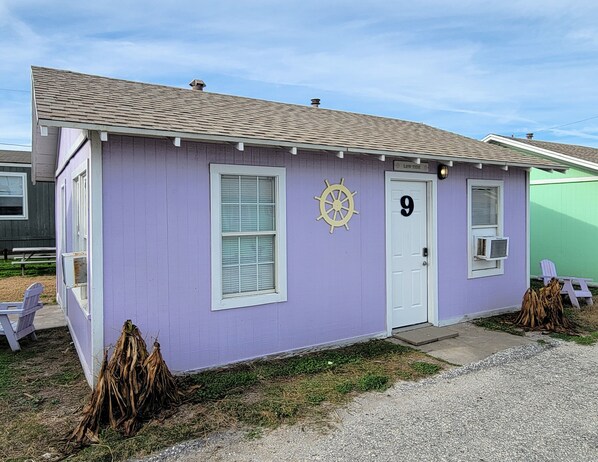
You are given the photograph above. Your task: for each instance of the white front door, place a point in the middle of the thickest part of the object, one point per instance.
(407, 212)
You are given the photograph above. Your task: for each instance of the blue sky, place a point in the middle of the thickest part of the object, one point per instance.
(472, 67)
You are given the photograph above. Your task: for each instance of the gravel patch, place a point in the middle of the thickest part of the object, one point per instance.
(533, 403)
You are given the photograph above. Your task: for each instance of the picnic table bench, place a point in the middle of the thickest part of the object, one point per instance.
(34, 256)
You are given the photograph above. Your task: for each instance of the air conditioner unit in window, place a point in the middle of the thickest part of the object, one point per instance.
(492, 248)
(74, 269)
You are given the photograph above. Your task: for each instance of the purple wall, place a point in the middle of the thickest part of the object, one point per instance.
(157, 252)
(457, 295)
(80, 325)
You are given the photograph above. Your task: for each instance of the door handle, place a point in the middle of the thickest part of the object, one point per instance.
(425, 263)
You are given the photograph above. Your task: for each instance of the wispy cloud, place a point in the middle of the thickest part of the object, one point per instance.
(474, 68)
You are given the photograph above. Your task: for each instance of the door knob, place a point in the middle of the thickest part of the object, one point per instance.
(425, 263)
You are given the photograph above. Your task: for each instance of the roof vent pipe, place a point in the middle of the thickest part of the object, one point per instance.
(529, 136)
(197, 84)
(315, 102)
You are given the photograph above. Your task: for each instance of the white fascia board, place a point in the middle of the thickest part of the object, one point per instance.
(277, 143)
(14, 164)
(72, 150)
(552, 155)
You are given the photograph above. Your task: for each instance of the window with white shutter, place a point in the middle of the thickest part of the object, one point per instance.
(248, 235)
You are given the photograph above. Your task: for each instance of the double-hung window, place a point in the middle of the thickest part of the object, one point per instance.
(248, 235)
(485, 219)
(13, 196)
(80, 207)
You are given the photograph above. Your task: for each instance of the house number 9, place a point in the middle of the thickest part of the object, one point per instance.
(407, 204)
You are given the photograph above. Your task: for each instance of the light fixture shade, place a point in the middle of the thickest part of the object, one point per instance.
(443, 171)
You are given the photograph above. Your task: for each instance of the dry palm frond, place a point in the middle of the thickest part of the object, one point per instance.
(543, 309)
(532, 310)
(131, 387)
(161, 389)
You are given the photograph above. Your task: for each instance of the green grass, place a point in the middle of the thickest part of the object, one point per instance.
(425, 368)
(589, 339)
(7, 269)
(42, 392)
(503, 323)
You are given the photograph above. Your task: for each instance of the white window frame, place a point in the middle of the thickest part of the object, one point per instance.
(280, 243)
(80, 243)
(25, 214)
(481, 268)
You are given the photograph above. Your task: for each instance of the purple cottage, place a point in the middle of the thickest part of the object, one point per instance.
(233, 228)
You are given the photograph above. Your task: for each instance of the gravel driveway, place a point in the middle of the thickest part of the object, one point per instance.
(529, 403)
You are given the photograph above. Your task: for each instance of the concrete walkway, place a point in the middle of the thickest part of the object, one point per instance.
(48, 317)
(473, 344)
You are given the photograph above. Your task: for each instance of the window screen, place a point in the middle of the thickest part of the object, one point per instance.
(248, 234)
(12, 194)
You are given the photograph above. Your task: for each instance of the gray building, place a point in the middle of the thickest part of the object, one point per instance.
(26, 210)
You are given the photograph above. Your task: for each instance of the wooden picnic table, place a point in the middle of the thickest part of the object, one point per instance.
(34, 255)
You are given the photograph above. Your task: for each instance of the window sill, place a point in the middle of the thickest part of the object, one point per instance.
(82, 302)
(253, 300)
(486, 273)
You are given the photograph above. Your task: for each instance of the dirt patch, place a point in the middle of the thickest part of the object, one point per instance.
(42, 390)
(588, 315)
(12, 288)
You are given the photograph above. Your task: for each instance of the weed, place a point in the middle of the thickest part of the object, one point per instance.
(218, 384)
(590, 339)
(345, 387)
(501, 323)
(424, 368)
(373, 382)
(254, 433)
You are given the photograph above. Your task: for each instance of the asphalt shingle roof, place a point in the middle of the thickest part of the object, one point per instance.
(65, 97)
(15, 157)
(572, 150)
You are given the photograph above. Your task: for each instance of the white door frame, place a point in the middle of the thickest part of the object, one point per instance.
(431, 183)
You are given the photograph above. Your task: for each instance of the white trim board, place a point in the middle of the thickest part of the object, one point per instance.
(552, 155)
(96, 254)
(12, 164)
(587, 179)
(88, 375)
(275, 143)
(432, 181)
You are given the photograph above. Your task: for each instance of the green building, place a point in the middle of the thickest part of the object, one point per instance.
(564, 207)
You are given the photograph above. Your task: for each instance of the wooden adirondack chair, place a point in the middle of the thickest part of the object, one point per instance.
(25, 310)
(549, 272)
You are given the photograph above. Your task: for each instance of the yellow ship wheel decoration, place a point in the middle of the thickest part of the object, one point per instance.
(336, 205)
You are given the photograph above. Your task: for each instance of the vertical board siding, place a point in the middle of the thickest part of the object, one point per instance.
(564, 226)
(459, 296)
(157, 252)
(38, 229)
(80, 325)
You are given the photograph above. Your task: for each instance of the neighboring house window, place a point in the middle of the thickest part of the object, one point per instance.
(80, 206)
(248, 235)
(13, 196)
(485, 218)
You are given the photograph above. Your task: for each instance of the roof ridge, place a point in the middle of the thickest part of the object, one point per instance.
(249, 98)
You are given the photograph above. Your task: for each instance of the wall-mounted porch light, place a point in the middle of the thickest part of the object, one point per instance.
(443, 171)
